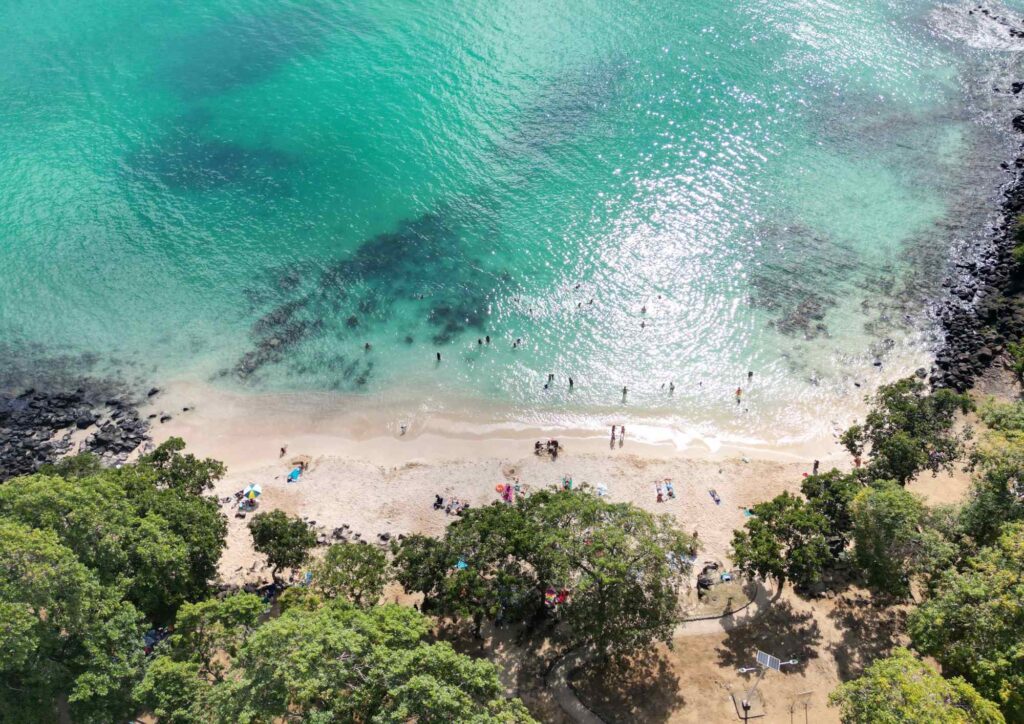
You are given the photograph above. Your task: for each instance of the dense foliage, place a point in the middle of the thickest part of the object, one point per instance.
(611, 573)
(901, 689)
(908, 430)
(894, 541)
(974, 623)
(354, 571)
(323, 661)
(88, 556)
(784, 539)
(284, 539)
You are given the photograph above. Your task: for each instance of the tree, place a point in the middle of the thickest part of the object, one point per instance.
(161, 543)
(285, 540)
(173, 691)
(614, 570)
(182, 472)
(354, 571)
(908, 430)
(209, 633)
(974, 623)
(901, 689)
(892, 539)
(996, 497)
(832, 494)
(335, 662)
(784, 539)
(62, 633)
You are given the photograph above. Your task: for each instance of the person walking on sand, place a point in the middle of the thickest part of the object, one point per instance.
(613, 433)
(622, 435)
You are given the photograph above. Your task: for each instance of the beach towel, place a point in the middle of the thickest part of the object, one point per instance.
(293, 476)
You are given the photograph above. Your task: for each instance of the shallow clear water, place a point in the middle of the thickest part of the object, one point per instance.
(249, 192)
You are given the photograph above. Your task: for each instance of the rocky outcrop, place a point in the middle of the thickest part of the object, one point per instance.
(40, 426)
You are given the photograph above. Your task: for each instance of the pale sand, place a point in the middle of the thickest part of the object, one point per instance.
(364, 473)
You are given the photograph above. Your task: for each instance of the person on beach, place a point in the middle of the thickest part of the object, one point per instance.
(671, 387)
(622, 435)
(815, 468)
(284, 450)
(570, 383)
(613, 433)
(739, 394)
(660, 492)
(624, 391)
(670, 489)
(750, 375)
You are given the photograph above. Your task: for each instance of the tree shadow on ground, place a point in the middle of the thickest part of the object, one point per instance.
(523, 656)
(640, 688)
(780, 631)
(869, 632)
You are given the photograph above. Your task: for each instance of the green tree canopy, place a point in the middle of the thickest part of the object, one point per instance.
(615, 569)
(285, 540)
(908, 430)
(62, 633)
(355, 571)
(974, 623)
(160, 543)
(784, 539)
(334, 662)
(832, 494)
(901, 689)
(893, 540)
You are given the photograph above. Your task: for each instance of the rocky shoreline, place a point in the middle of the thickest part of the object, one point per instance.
(40, 426)
(983, 308)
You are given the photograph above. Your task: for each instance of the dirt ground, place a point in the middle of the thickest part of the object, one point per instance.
(691, 681)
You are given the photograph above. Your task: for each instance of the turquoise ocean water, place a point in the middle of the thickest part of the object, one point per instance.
(248, 192)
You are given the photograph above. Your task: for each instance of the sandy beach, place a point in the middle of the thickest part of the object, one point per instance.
(364, 473)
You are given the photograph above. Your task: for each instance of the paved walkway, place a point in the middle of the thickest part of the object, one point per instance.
(565, 695)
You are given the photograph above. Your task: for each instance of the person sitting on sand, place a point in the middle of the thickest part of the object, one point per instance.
(661, 493)
(670, 489)
(538, 448)
(438, 502)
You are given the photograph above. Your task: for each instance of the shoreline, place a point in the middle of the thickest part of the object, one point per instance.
(247, 430)
(982, 307)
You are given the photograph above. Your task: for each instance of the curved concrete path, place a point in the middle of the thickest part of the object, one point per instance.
(558, 678)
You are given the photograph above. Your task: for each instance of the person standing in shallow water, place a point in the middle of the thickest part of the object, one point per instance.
(624, 391)
(438, 356)
(739, 394)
